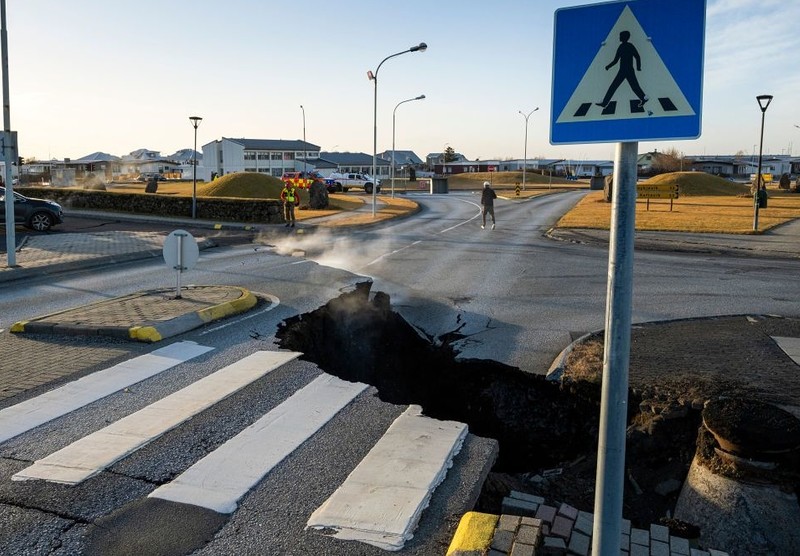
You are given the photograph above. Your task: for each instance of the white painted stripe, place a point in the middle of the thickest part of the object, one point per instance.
(791, 346)
(93, 453)
(31, 413)
(382, 500)
(220, 479)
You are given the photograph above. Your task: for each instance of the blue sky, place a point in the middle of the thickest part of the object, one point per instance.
(94, 75)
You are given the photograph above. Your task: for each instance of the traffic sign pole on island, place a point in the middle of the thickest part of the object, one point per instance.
(624, 72)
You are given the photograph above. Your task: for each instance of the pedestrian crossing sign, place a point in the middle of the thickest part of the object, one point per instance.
(628, 71)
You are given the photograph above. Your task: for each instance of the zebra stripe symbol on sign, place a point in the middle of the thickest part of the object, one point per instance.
(626, 80)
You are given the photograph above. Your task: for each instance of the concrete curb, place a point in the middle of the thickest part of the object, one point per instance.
(473, 535)
(143, 333)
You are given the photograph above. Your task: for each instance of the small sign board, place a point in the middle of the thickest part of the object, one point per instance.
(657, 191)
(180, 250)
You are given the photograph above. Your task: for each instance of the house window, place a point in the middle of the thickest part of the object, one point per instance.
(249, 155)
(288, 156)
(263, 156)
(250, 169)
(275, 156)
(277, 172)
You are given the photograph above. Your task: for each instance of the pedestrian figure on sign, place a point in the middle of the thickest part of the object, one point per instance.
(290, 200)
(626, 54)
(487, 202)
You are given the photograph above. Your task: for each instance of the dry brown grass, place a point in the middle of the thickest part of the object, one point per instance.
(585, 362)
(702, 213)
(390, 208)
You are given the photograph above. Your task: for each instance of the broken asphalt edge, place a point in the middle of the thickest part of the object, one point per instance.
(142, 333)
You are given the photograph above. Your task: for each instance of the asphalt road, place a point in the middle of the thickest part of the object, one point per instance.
(507, 294)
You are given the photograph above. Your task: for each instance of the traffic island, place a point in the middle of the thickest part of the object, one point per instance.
(148, 316)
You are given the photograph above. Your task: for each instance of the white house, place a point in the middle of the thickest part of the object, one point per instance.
(267, 156)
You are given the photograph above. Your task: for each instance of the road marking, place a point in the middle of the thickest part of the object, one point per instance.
(93, 453)
(220, 479)
(31, 413)
(382, 500)
(274, 302)
(390, 253)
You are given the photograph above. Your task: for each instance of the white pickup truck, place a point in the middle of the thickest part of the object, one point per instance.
(343, 182)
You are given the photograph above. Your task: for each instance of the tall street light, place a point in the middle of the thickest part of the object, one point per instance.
(525, 166)
(394, 113)
(763, 103)
(421, 47)
(195, 122)
(305, 153)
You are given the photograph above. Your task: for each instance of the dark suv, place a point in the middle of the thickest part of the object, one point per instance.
(36, 214)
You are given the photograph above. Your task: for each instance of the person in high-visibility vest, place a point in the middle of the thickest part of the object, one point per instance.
(290, 200)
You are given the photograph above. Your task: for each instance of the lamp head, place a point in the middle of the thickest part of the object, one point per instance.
(421, 47)
(195, 120)
(370, 75)
(420, 97)
(763, 101)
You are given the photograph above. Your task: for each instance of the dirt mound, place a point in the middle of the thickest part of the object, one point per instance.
(248, 185)
(699, 183)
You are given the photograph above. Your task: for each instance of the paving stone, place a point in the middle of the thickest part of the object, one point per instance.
(532, 521)
(658, 548)
(562, 527)
(502, 540)
(522, 549)
(626, 526)
(639, 550)
(659, 533)
(713, 552)
(584, 523)
(551, 546)
(568, 511)
(679, 546)
(579, 544)
(508, 522)
(528, 534)
(519, 507)
(532, 498)
(546, 513)
(625, 542)
(696, 552)
(640, 537)
(494, 552)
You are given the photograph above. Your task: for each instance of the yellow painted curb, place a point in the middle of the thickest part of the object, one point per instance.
(474, 534)
(245, 302)
(144, 334)
(18, 326)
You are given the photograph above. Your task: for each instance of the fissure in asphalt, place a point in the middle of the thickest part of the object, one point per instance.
(358, 337)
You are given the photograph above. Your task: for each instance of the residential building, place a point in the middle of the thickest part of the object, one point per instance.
(145, 161)
(357, 163)
(268, 156)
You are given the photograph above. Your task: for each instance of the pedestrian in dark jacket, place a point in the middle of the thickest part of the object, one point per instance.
(487, 202)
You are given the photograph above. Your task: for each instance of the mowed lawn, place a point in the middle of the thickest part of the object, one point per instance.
(706, 204)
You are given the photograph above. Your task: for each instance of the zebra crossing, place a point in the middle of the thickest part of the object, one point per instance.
(380, 503)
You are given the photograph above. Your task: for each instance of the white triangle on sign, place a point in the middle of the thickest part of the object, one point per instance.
(664, 97)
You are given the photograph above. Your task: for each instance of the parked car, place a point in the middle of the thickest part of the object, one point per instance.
(343, 182)
(148, 177)
(36, 214)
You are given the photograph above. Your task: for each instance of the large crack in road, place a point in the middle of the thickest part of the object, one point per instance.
(547, 430)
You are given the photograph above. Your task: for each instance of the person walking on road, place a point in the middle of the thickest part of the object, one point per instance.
(487, 202)
(290, 200)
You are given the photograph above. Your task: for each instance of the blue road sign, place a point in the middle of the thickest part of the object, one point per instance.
(628, 71)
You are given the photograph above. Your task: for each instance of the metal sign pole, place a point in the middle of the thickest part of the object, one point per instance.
(8, 146)
(610, 479)
(179, 266)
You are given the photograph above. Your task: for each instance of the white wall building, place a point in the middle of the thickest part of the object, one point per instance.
(267, 156)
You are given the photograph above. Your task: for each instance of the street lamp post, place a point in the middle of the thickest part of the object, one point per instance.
(394, 113)
(421, 47)
(195, 122)
(305, 153)
(763, 103)
(525, 164)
